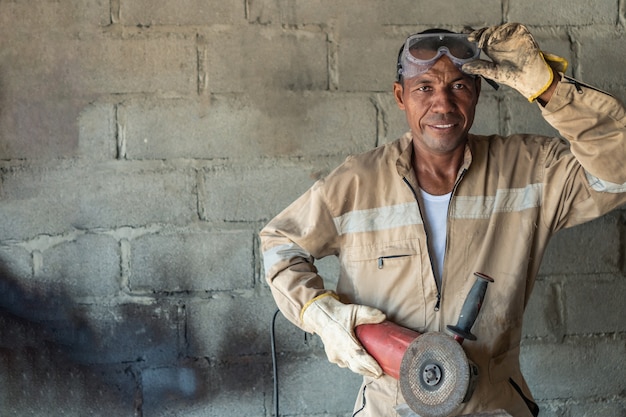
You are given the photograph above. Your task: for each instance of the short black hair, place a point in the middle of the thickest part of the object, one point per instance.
(399, 60)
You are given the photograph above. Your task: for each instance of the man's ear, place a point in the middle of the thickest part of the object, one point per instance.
(397, 93)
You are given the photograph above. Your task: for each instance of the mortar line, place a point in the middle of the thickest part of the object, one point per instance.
(505, 10)
(120, 133)
(200, 197)
(125, 266)
(380, 120)
(332, 57)
(201, 67)
(114, 11)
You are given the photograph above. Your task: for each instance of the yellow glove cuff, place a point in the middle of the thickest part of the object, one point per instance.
(554, 63)
(326, 294)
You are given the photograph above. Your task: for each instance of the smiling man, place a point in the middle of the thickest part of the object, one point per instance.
(413, 220)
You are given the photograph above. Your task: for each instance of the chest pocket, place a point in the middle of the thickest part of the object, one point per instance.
(388, 276)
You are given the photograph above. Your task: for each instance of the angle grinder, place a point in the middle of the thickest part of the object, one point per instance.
(434, 373)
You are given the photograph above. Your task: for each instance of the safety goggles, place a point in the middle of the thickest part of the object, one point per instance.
(421, 51)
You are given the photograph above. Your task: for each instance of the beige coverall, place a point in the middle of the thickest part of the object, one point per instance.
(512, 193)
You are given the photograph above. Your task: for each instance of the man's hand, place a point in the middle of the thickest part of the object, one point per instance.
(334, 323)
(517, 60)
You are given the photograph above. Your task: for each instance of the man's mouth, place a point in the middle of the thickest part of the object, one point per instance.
(443, 126)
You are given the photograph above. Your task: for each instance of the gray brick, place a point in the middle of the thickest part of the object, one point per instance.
(283, 124)
(291, 339)
(38, 126)
(556, 41)
(43, 381)
(260, 60)
(524, 117)
(51, 16)
(256, 194)
(306, 380)
(97, 132)
(550, 13)
(591, 248)
(192, 261)
(369, 12)
(126, 333)
(99, 64)
(87, 266)
(394, 119)
(595, 304)
(552, 408)
(107, 196)
(32, 300)
(329, 269)
(238, 389)
(424, 12)
(578, 369)
(600, 408)
(542, 318)
(17, 332)
(16, 264)
(487, 117)
(226, 327)
(368, 63)
(182, 12)
(123, 195)
(599, 47)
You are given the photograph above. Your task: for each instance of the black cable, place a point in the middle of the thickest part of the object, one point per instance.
(275, 367)
(363, 404)
(274, 363)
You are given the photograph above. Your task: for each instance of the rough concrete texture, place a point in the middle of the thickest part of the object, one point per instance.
(143, 144)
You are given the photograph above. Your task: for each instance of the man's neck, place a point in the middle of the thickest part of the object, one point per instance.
(437, 173)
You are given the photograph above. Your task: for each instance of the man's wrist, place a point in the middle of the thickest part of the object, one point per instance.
(545, 97)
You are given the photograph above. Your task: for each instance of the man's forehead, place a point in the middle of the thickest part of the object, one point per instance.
(443, 69)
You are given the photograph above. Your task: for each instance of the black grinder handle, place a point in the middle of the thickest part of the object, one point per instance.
(471, 308)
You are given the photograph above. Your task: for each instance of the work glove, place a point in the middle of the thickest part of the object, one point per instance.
(516, 58)
(334, 323)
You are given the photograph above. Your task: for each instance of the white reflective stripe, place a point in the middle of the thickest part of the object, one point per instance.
(380, 218)
(602, 186)
(282, 253)
(505, 201)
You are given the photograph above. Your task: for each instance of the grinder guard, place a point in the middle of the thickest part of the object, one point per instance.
(436, 376)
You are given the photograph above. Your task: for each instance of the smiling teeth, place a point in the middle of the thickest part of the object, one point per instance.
(444, 126)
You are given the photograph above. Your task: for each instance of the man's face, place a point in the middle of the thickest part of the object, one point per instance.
(439, 106)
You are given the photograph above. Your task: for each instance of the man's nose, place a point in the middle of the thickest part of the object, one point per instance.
(443, 101)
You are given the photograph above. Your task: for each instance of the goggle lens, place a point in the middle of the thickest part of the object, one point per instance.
(422, 51)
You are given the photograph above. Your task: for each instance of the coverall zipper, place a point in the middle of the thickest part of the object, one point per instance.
(427, 246)
(456, 184)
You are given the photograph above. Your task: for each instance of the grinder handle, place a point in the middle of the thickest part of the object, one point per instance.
(471, 308)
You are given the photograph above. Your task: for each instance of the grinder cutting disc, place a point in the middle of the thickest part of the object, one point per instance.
(434, 375)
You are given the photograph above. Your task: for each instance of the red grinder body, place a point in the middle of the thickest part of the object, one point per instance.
(386, 342)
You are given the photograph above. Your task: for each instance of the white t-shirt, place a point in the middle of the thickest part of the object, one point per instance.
(435, 213)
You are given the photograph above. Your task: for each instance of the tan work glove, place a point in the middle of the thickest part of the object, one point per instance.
(334, 323)
(517, 60)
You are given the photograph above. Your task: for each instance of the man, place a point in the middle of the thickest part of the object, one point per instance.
(412, 221)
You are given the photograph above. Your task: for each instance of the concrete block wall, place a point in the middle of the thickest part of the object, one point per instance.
(143, 144)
